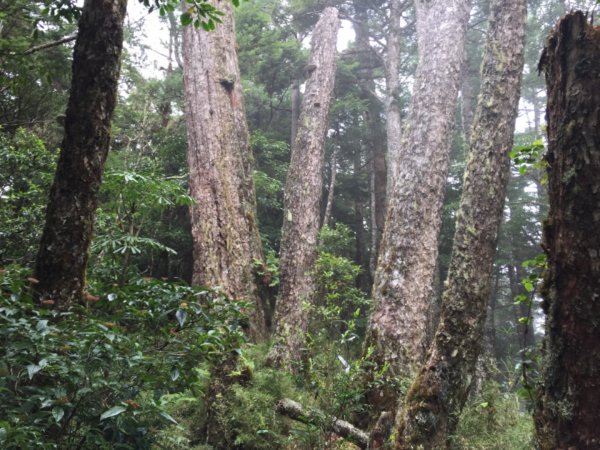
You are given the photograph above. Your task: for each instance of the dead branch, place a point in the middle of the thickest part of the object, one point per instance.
(346, 430)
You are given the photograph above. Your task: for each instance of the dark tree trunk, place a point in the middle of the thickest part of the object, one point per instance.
(567, 409)
(303, 192)
(436, 398)
(63, 253)
(403, 286)
(224, 226)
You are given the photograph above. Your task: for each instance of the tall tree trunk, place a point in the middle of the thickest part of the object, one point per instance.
(302, 195)
(567, 408)
(331, 192)
(295, 109)
(63, 253)
(375, 139)
(438, 394)
(392, 88)
(403, 284)
(224, 227)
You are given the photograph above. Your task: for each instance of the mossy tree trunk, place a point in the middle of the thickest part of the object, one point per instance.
(63, 253)
(302, 195)
(567, 409)
(403, 286)
(224, 227)
(438, 394)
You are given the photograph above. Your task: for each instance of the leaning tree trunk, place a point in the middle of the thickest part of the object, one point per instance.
(63, 253)
(403, 286)
(567, 409)
(302, 195)
(438, 394)
(224, 227)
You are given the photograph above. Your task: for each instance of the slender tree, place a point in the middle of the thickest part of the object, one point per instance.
(403, 283)
(63, 252)
(567, 408)
(224, 227)
(302, 195)
(438, 394)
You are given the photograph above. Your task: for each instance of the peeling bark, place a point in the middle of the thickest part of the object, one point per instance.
(403, 284)
(63, 253)
(437, 395)
(567, 408)
(224, 227)
(302, 195)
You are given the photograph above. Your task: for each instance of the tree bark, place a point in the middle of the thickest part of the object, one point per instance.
(224, 227)
(302, 195)
(403, 284)
(438, 394)
(567, 408)
(63, 253)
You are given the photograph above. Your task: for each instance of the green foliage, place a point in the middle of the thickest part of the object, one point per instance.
(96, 376)
(339, 240)
(133, 200)
(527, 157)
(494, 420)
(26, 173)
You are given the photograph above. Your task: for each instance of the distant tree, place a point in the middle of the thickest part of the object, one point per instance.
(435, 400)
(569, 395)
(302, 195)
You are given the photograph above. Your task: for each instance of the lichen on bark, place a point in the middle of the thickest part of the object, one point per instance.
(439, 392)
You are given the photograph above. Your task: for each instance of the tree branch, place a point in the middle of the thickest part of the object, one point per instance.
(60, 41)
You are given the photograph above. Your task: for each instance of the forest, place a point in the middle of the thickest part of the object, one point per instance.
(299, 224)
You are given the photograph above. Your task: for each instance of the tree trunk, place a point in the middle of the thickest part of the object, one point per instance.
(567, 408)
(224, 227)
(295, 109)
(438, 394)
(331, 192)
(392, 89)
(375, 139)
(302, 195)
(403, 284)
(63, 253)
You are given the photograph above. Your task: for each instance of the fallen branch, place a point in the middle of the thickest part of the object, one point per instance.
(346, 430)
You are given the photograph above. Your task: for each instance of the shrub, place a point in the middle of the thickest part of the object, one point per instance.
(95, 376)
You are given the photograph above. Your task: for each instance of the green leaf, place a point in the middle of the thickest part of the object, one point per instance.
(174, 373)
(112, 412)
(186, 19)
(58, 413)
(181, 316)
(168, 417)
